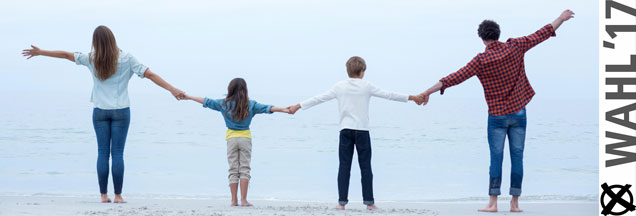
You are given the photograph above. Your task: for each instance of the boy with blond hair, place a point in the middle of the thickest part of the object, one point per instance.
(353, 97)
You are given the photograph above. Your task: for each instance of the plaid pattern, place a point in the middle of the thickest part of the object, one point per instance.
(502, 73)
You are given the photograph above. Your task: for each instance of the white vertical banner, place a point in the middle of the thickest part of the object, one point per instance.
(617, 107)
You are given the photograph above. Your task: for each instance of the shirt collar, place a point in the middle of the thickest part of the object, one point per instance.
(493, 45)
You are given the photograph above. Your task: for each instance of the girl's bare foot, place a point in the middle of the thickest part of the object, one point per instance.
(340, 207)
(105, 198)
(119, 199)
(492, 205)
(244, 203)
(514, 204)
(372, 207)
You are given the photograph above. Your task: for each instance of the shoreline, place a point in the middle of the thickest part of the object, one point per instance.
(219, 206)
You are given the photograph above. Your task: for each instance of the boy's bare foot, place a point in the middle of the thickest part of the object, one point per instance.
(372, 207)
(105, 198)
(492, 205)
(340, 207)
(514, 204)
(244, 203)
(119, 199)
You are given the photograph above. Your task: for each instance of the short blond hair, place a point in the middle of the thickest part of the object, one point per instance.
(355, 66)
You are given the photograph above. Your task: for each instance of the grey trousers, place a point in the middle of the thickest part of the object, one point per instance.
(239, 155)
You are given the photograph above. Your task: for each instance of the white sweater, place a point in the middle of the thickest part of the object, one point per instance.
(353, 97)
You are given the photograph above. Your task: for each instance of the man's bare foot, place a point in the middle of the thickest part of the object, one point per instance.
(105, 198)
(244, 203)
(488, 209)
(514, 204)
(492, 205)
(372, 207)
(119, 199)
(340, 207)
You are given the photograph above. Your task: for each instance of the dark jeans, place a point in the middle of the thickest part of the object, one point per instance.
(513, 126)
(111, 128)
(362, 142)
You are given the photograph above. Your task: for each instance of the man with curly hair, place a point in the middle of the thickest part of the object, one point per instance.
(501, 71)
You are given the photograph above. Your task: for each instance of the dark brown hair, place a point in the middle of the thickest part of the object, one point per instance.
(237, 100)
(355, 66)
(488, 30)
(105, 52)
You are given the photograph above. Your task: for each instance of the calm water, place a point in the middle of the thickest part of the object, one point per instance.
(440, 152)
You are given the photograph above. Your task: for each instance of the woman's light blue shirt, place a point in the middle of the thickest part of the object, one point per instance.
(112, 93)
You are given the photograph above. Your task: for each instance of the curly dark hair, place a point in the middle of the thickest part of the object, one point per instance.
(488, 30)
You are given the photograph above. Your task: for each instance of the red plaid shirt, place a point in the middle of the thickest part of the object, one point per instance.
(502, 73)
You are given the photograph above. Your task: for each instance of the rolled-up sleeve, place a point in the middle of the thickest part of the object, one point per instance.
(259, 108)
(136, 67)
(81, 59)
(212, 104)
(527, 42)
(471, 69)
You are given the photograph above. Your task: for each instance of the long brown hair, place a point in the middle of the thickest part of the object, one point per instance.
(105, 52)
(237, 100)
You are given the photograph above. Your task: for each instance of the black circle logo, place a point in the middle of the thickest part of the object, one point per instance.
(616, 198)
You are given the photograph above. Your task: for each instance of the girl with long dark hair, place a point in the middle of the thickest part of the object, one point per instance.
(238, 110)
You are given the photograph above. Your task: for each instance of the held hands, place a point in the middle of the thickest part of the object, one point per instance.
(293, 108)
(178, 94)
(425, 96)
(30, 53)
(418, 99)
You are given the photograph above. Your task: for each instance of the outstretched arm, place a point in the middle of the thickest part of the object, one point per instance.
(280, 109)
(36, 51)
(327, 96)
(565, 16)
(178, 94)
(193, 98)
(430, 91)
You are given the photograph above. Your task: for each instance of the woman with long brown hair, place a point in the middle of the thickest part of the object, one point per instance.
(238, 110)
(111, 70)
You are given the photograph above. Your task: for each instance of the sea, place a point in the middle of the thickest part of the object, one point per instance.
(176, 149)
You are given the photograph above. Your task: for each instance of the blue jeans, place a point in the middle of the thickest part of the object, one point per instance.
(111, 129)
(362, 143)
(514, 126)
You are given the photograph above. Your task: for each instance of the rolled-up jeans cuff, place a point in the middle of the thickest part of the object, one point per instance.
(495, 191)
(515, 191)
(371, 202)
(343, 202)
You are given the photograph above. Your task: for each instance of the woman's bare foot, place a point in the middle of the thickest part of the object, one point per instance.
(514, 204)
(372, 207)
(119, 199)
(105, 198)
(340, 207)
(234, 203)
(492, 205)
(244, 203)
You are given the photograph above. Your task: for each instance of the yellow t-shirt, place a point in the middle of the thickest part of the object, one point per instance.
(237, 133)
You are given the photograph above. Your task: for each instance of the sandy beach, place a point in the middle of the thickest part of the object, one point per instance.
(60, 205)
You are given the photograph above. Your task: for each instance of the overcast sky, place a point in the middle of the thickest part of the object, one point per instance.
(294, 49)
